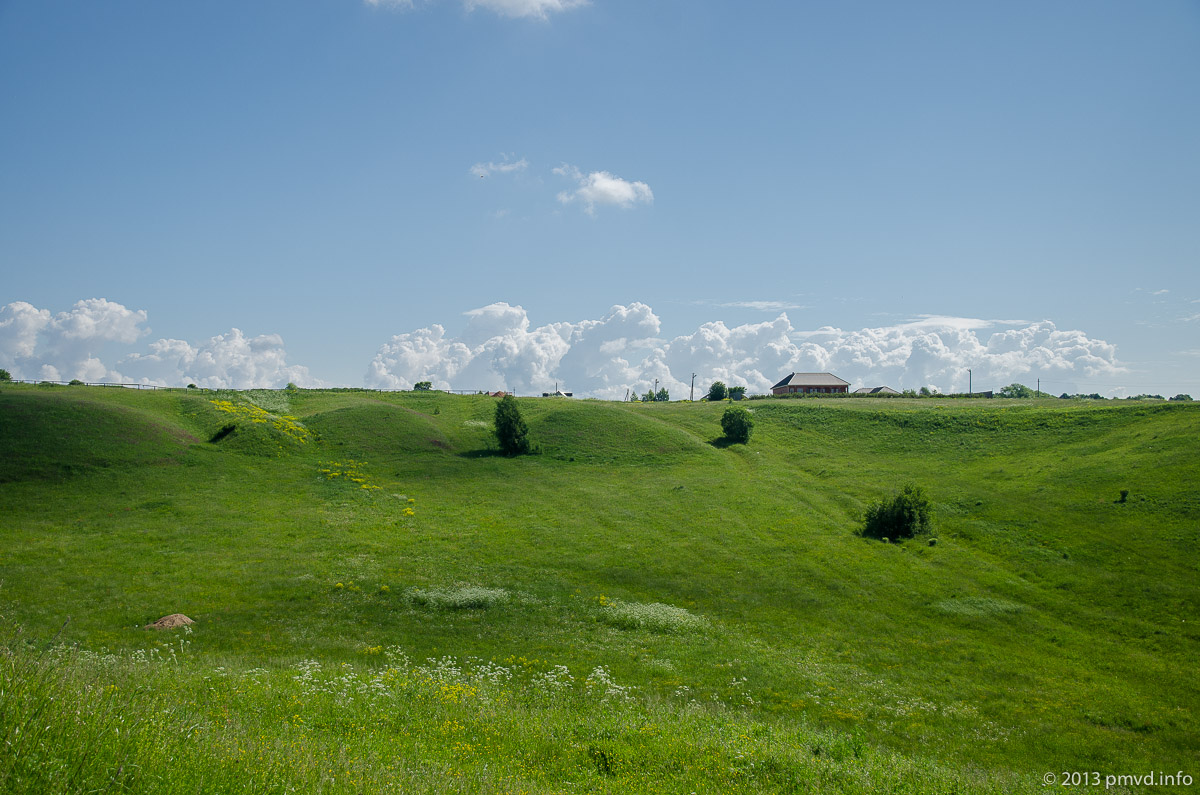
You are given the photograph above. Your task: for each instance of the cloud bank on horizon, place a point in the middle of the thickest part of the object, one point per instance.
(499, 348)
(36, 344)
(603, 358)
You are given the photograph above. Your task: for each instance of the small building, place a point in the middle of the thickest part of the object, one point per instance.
(875, 390)
(810, 384)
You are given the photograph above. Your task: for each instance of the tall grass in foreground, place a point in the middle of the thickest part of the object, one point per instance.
(77, 721)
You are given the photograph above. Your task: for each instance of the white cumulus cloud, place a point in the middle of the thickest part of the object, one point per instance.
(498, 349)
(226, 361)
(506, 166)
(38, 344)
(34, 343)
(601, 187)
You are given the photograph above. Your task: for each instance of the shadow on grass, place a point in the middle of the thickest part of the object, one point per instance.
(482, 453)
(488, 452)
(721, 442)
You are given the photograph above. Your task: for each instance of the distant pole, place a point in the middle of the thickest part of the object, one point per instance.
(692, 394)
(1039, 391)
(969, 390)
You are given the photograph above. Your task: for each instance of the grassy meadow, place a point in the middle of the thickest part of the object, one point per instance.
(383, 604)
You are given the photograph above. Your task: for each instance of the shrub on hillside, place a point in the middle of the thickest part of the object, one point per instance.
(737, 424)
(902, 515)
(717, 391)
(423, 386)
(512, 433)
(737, 392)
(5, 375)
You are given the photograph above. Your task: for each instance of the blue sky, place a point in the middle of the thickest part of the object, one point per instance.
(509, 192)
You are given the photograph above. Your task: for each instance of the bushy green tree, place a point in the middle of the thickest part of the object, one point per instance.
(512, 434)
(423, 386)
(5, 375)
(902, 515)
(737, 392)
(1016, 391)
(662, 395)
(717, 391)
(1182, 398)
(737, 424)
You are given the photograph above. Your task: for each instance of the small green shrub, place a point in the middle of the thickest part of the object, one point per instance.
(74, 382)
(512, 433)
(5, 375)
(1124, 495)
(737, 424)
(423, 386)
(902, 515)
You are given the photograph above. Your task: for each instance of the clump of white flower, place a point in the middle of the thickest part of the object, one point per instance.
(655, 616)
(466, 597)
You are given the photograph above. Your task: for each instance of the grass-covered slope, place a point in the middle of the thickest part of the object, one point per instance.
(1052, 626)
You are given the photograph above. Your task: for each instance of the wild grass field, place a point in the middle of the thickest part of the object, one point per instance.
(383, 604)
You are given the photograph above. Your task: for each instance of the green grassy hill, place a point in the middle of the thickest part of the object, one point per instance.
(746, 637)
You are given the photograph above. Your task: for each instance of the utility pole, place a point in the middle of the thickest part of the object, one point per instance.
(970, 391)
(692, 394)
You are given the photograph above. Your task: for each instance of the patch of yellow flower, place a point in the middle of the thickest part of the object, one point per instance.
(456, 692)
(284, 423)
(350, 471)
